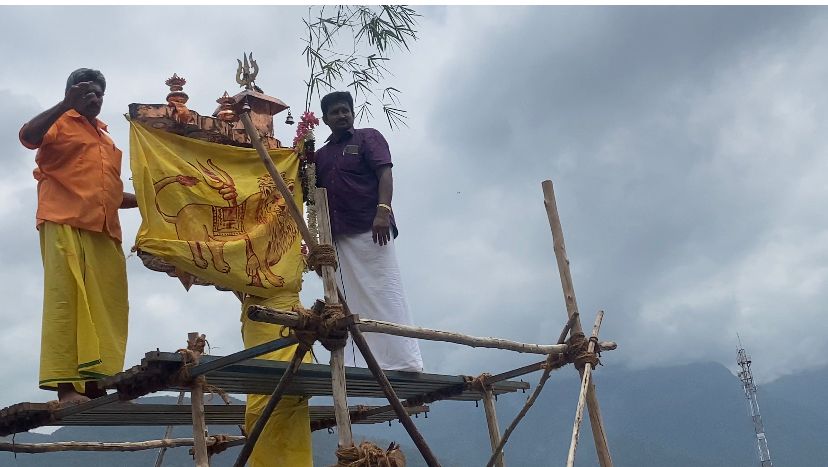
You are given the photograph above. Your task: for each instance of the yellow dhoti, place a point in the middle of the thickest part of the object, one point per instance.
(286, 439)
(85, 307)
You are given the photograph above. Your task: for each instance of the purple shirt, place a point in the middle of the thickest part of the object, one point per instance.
(348, 170)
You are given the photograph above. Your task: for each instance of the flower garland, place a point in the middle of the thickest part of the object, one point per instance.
(304, 146)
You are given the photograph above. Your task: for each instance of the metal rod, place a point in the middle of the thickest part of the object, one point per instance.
(246, 354)
(278, 391)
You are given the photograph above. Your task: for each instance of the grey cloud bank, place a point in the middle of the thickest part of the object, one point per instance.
(687, 147)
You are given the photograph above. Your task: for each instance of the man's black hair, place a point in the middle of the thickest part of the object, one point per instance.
(86, 74)
(335, 98)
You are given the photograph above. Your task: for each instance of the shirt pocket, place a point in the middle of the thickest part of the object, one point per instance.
(353, 163)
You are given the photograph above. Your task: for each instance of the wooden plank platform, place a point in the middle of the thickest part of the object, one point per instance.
(28, 415)
(260, 377)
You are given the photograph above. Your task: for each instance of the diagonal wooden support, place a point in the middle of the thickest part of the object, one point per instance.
(547, 366)
(579, 410)
(278, 392)
(343, 421)
(595, 420)
(357, 336)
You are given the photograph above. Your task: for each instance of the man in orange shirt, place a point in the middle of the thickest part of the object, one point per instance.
(79, 192)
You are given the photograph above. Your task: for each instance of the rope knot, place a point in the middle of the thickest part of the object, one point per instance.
(332, 337)
(577, 351)
(480, 382)
(321, 255)
(368, 454)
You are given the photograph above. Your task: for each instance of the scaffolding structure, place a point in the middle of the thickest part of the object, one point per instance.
(329, 321)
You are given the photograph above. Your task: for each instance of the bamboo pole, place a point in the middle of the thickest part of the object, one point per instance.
(36, 448)
(293, 209)
(547, 365)
(338, 386)
(278, 391)
(159, 459)
(595, 419)
(391, 395)
(579, 410)
(491, 422)
(291, 319)
(197, 406)
(358, 338)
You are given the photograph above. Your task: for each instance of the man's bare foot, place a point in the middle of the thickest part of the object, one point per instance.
(68, 396)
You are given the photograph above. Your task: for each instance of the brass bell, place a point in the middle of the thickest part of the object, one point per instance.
(289, 119)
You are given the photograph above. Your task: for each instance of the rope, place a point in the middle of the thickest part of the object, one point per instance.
(333, 338)
(220, 444)
(368, 454)
(479, 383)
(577, 351)
(321, 255)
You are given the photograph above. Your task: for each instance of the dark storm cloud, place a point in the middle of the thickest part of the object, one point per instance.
(687, 147)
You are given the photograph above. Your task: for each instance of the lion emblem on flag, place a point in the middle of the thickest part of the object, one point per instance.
(261, 221)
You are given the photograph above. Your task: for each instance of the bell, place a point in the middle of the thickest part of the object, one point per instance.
(289, 119)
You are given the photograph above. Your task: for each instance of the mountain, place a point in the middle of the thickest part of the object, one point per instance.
(683, 416)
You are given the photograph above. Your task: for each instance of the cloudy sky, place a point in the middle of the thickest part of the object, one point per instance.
(687, 147)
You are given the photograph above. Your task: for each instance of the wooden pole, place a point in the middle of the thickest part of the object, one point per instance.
(36, 448)
(547, 366)
(579, 410)
(357, 336)
(197, 405)
(291, 319)
(340, 393)
(159, 459)
(391, 395)
(596, 422)
(264, 417)
(491, 422)
(293, 209)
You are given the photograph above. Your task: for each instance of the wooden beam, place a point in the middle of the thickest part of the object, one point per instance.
(36, 448)
(579, 410)
(337, 361)
(491, 423)
(202, 459)
(291, 319)
(595, 419)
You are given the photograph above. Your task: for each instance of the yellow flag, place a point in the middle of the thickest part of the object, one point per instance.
(213, 211)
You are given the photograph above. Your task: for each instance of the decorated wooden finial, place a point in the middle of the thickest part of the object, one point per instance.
(244, 76)
(177, 94)
(226, 112)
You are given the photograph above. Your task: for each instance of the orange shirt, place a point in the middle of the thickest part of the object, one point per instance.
(78, 175)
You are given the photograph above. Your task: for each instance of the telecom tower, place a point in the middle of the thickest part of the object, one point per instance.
(750, 393)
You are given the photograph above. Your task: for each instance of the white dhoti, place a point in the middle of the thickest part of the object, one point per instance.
(369, 277)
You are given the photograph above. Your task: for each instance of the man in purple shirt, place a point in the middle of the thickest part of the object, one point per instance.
(355, 167)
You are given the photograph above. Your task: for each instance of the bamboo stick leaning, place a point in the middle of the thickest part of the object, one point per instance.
(595, 419)
(579, 409)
